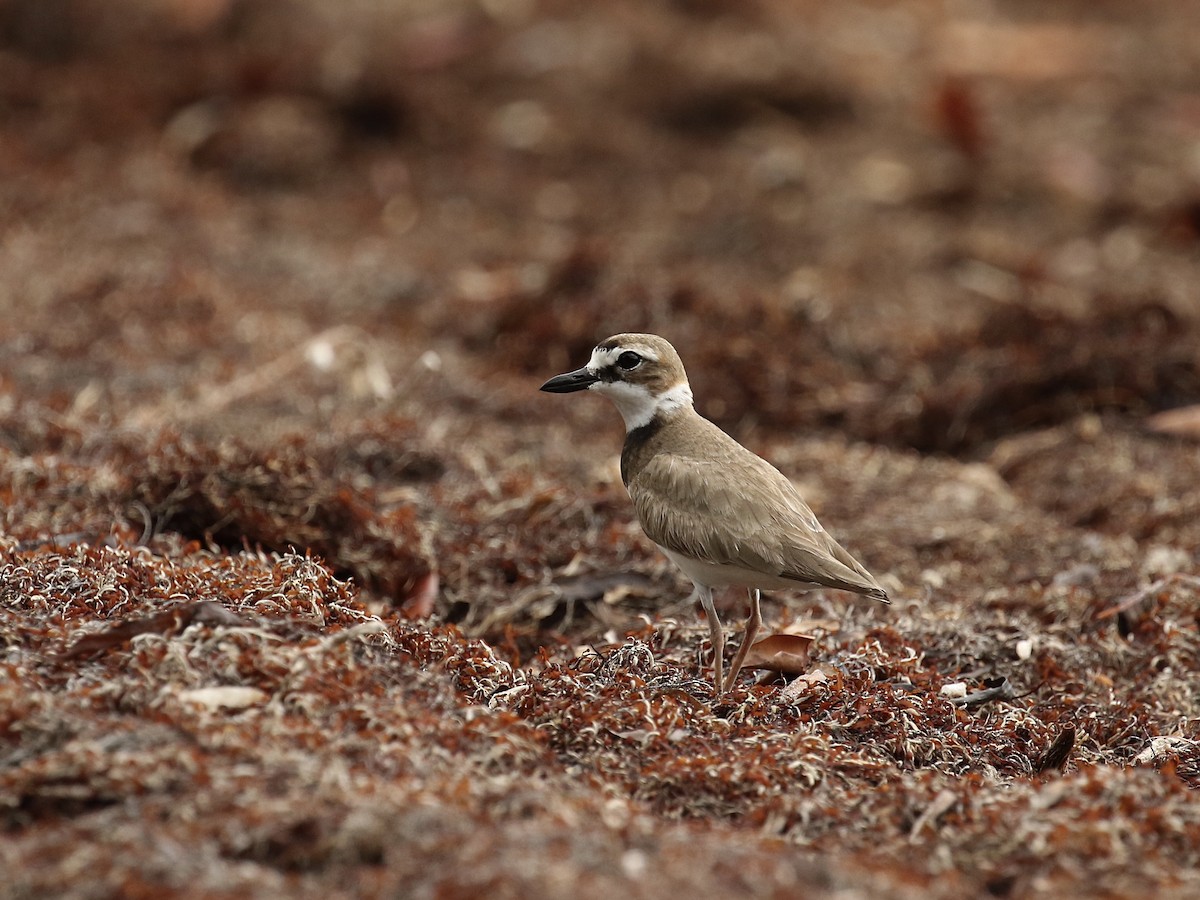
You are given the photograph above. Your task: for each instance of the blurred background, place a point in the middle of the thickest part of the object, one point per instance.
(923, 223)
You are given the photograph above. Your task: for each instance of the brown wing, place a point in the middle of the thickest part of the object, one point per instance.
(733, 508)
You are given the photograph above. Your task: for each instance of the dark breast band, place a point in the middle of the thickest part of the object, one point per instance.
(632, 458)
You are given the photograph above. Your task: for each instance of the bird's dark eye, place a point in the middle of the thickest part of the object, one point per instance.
(628, 360)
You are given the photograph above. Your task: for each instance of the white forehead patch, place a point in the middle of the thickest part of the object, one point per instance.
(602, 358)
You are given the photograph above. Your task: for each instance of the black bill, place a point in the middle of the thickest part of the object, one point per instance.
(579, 380)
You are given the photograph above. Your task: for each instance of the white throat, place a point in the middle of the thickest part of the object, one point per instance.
(637, 405)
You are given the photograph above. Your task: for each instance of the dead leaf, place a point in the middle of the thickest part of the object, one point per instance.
(1163, 747)
(786, 654)
(802, 684)
(1128, 602)
(420, 600)
(1183, 421)
(942, 804)
(594, 586)
(168, 622)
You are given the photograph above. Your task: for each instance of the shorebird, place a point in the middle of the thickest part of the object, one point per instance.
(722, 514)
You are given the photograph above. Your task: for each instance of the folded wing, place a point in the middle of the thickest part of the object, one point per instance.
(736, 509)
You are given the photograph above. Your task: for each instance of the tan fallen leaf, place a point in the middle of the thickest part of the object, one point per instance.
(168, 622)
(1163, 748)
(942, 804)
(1130, 601)
(419, 602)
(1183, 421)
(800, 685)
(786, 654)
(225, 697)
(803, 626)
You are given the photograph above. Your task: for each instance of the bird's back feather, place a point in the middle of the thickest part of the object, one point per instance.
(711, 499)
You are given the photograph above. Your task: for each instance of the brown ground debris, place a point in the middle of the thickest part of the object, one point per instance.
(306, 591)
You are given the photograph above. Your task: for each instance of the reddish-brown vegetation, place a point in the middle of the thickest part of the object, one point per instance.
(305, 591)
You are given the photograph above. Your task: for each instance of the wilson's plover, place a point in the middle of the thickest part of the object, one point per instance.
(722, 514)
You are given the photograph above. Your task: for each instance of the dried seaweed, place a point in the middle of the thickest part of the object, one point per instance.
(168, 622)
(304, 590)
(966, 393)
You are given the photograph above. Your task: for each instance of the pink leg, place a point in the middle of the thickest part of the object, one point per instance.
(715, 633)
(752, 626)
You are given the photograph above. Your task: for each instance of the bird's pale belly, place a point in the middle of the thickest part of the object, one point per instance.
(718, 575)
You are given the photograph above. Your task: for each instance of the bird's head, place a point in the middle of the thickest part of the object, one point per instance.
(640, 373)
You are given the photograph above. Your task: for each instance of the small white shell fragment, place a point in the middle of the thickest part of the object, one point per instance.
(321, 354)
(225, 697)
(634, 863)
(933, 578)
(954, 691)
(1024, 648)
